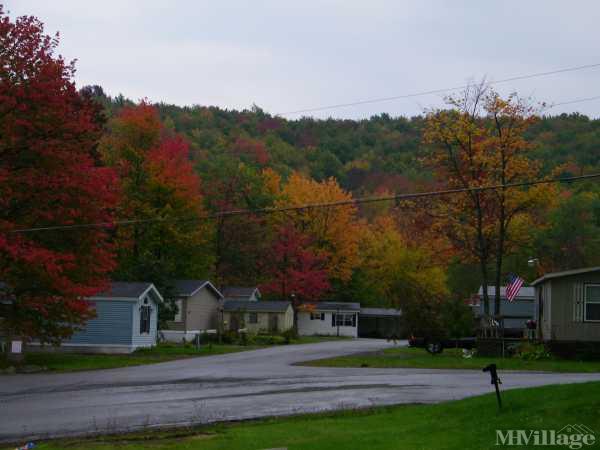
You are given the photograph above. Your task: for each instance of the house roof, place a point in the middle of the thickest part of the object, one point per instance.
(118, 289)
(336, 306)
(565, 273)
(128, 290)
(260, 306)
(381, 312)
(524, 292)
(239, 291)
(187, 288)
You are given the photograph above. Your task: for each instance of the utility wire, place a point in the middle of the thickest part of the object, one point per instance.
(356, 201)
(439, 91)
(570, 102)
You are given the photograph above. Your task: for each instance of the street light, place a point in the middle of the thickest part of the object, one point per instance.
(532, 262)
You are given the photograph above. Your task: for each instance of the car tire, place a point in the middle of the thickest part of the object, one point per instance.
(434, 346)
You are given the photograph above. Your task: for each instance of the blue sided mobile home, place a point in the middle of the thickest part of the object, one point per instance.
(126, 319)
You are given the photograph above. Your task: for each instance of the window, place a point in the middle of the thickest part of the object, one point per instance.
(343, 320)
(178, 314)
(145, 314)
(592, 302)
(317, 316)
(252, 317)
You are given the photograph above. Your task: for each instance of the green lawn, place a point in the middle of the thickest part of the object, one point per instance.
(68, 362)
(450, 359)
(463, 424)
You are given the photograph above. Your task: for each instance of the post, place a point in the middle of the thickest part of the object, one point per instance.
(495, 380)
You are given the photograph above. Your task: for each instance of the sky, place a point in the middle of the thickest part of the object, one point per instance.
(290, 55)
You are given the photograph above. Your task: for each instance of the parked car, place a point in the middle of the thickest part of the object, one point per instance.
(437, 345)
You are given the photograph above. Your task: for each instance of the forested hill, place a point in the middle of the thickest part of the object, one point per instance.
(379, 154)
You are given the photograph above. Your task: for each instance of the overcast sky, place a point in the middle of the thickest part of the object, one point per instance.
(288, 55)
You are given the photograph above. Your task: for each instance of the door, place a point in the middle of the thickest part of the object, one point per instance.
(273, 322)
(234, 322)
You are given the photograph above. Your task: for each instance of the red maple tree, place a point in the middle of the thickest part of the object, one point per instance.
(293, 269)
(49, 175)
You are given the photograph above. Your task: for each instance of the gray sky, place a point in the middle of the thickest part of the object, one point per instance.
(288, 55)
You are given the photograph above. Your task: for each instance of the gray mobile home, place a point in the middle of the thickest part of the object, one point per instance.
(569, 306)
(515, 313)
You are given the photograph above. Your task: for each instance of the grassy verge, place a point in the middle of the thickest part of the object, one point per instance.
(69, 362)
(463, 424)
(450, 359)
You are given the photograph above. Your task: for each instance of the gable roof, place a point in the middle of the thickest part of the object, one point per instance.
(239, 291)
(187, 288)
(565, 273)
(128, 290)
(260, 306)
(336, 306)
(524, 292)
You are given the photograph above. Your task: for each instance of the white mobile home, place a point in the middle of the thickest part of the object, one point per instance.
(329, 319)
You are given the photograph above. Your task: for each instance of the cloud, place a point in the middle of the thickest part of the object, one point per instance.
(293, 55)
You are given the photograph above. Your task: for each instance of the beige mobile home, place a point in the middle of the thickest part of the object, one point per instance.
(277, 316)
(199, 304)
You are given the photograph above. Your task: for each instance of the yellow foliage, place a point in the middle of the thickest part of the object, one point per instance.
(335, 230)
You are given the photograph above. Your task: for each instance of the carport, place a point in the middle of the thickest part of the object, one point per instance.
(379, 323)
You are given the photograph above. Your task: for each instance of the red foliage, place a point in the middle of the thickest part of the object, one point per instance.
(170, 165)
(252, 148)
(294, 269)
(49, 175)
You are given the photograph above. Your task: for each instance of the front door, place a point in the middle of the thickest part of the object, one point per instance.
(273, 322)
(234, 322)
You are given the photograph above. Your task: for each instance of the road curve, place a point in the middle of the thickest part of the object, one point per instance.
(235, 386)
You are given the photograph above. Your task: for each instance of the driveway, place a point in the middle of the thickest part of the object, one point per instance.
(229, 387)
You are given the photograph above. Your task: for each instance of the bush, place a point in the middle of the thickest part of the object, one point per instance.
(533, 352)
(289, 335)
(265, 339)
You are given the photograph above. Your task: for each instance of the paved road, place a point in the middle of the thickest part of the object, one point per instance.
(228, 387)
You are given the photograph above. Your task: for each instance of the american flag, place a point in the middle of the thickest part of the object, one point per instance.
(513, 286)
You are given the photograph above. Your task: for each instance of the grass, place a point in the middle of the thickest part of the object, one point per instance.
(450, 359)
(463, 424)
(70, 362)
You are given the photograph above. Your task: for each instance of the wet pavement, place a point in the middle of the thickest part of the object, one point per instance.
(236, 386)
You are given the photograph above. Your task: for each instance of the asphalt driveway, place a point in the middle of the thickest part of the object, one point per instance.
(229, 387)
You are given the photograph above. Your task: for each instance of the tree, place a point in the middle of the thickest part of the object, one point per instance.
(478, 142)
(50, 174)
(293, 270)
(404, 276)
(334, 231)
(239, 242)
(571, 238)
(161, 191)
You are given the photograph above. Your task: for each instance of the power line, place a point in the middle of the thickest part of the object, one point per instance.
(438, 91)
(356, 201)
(570, 102)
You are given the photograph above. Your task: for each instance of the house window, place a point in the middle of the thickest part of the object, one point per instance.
(317, 316)
(145, 314)
(344, 320)
(178, 314)
(252, 317)
(592, 302)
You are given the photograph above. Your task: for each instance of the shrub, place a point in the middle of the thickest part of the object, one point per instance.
(289, 335)
(533, 352)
